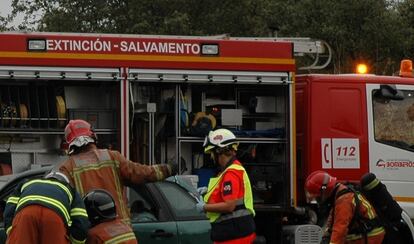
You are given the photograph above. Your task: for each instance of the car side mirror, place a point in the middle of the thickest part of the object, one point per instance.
(390, 92)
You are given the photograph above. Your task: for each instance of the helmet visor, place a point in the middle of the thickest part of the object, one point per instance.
(207, 144)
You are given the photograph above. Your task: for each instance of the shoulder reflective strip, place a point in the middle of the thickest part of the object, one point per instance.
(50, 182)
(13, 200)
(74, 241)
(96, 166)
(78, 212)
(47, 200)
(9, 229)
(121, 238)
(373, 232)
(371, 185)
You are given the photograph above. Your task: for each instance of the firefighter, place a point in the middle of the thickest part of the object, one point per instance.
(44, 210)
(228, 201)
(90, 168)
(352, 218)
(105, 227)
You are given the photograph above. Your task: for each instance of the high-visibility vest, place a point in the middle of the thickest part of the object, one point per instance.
(247, 199)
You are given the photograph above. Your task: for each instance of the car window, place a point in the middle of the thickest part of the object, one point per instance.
(141, 205)
(180, 201)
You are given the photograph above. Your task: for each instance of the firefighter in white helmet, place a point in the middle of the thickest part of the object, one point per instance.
(228, 201)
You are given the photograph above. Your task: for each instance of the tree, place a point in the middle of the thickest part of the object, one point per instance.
(378, 32)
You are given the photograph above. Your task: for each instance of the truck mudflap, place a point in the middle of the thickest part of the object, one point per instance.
(301, 234)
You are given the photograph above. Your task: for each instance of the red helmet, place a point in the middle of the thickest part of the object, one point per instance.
(78, 133)
(319, 185)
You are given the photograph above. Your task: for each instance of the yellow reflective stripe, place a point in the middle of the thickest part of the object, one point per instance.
(213, 184)
(8, 230)
(74, 241)
(13, 200)
(113, 165)
(95, 166)
(365, 203)
(78, 170)
(47, 200)
(78, 212)
(370, 209)
(121, 238)
(65, 188)
(374, 232)
(371, 185)
(124, 211)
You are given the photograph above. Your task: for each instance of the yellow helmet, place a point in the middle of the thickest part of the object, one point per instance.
(219, 138)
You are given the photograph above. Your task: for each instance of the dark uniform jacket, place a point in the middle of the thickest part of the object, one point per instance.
(55, 195)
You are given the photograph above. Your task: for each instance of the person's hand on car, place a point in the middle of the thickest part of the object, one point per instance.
(202, 190)
(200, 204)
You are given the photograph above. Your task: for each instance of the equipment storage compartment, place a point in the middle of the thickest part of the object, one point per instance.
(171, 120)
(259, 117)
(35, 107)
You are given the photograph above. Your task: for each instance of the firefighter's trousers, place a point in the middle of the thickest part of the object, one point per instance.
(37, 224)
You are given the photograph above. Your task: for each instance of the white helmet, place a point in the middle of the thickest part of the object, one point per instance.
(220, 138)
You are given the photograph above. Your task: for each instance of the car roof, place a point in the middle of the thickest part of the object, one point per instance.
(6, 180)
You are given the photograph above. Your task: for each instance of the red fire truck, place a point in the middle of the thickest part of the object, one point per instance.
(151, 97)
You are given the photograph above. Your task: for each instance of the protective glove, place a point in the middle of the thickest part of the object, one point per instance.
(202, 190)
(173, 168)
(200, 206)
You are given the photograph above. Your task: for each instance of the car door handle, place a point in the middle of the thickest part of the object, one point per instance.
(161, 233)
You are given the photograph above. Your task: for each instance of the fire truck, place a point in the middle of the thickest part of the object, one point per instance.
(154, 98)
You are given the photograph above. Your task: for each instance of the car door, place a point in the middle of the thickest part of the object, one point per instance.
(192, 225)
(151, 219)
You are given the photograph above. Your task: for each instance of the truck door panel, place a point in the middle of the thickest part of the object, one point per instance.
(391, 142)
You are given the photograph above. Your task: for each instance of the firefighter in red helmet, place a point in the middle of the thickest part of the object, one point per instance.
(352, 219)
(90, 168)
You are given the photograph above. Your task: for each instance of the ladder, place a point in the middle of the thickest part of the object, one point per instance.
(318, 51)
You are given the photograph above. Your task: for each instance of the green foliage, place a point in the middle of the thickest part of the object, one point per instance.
(379, 32)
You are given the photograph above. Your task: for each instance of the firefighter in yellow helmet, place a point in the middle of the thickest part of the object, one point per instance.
(228, 201)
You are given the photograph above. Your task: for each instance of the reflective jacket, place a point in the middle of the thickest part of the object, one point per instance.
(240, 222)
(55, 195)
(109, 170)
(111, 232)
(346, 229)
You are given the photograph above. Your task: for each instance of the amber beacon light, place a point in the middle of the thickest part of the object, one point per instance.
(406, 68)
(362, 69)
